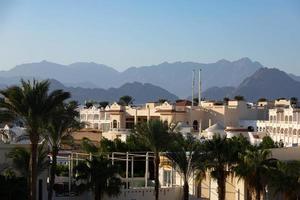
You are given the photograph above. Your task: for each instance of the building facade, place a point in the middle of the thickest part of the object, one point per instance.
(283, 124)
(117, 120)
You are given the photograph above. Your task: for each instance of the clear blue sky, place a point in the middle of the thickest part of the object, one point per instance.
(123, 33)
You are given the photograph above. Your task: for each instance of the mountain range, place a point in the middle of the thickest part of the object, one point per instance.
(91, 81)
(175, 77)
(270, 83)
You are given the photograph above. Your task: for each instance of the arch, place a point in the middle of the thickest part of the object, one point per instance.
(195, 125)
(294, 132)
(115, 124)
(290, 119)
(282, 131)
(286, 131)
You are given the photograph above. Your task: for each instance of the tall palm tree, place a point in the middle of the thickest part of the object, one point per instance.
(188, 158)
(222, 155)
(62, 122)
(285, 179)
(97, 173)
(32, 103)
(254, 167)
(156, 136)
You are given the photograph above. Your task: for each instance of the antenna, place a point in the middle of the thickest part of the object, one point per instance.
(193, 87)
(199, 89)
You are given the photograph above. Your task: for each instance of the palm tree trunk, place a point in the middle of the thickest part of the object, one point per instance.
(221, 185)
(33, 169)
(52, 172)
(156, 175)
(257, 193)
(185, 189)
(97, 192)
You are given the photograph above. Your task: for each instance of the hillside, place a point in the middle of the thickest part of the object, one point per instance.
(265, 82)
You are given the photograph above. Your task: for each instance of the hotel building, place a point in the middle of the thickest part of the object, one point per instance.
(283, 124)
(117, 120)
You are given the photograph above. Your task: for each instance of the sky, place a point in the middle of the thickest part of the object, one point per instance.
(125, 33)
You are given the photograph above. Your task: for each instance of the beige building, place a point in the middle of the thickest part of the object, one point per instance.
(117, 120)
(283, 124)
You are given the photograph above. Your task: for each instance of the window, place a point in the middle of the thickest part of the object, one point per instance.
(115, 124)
(96, 117)
(167, 178)
(195, 125)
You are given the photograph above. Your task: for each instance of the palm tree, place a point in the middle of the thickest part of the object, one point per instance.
(285, 179)
(222, 155)
(188, 158)
(155, 135)
(126, 100)
(32, 103)
(21, 161)
(253, 167)
(62, 123)
(99, 175)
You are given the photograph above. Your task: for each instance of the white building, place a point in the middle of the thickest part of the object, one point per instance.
(283, 124)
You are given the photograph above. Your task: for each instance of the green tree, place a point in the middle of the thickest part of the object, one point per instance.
(285, 179)
(61, 124)
(254, 166)
(156, 136)
(100, 176)
(239, 98)
(32, 103)
(267, 143)
(188, 157)
(126, 100)
(103, 104)
(222, 154)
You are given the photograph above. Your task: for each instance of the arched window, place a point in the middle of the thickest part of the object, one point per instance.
(294, 132)
(115, 124)
(286, 119)
(195, 125)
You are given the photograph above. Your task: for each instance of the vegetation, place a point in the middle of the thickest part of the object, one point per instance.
(239, 98)
(61, 124)
(99, 175)
(285, 179)
(222, 154)
(126, 100)
(21, 162)
(254, 168)
(32, 103)
(188, 157)
(155, 135)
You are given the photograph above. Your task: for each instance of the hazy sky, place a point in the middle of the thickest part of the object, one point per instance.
(123, 33)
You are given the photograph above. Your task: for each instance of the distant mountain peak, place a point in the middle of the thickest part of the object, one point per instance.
(223, 61)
